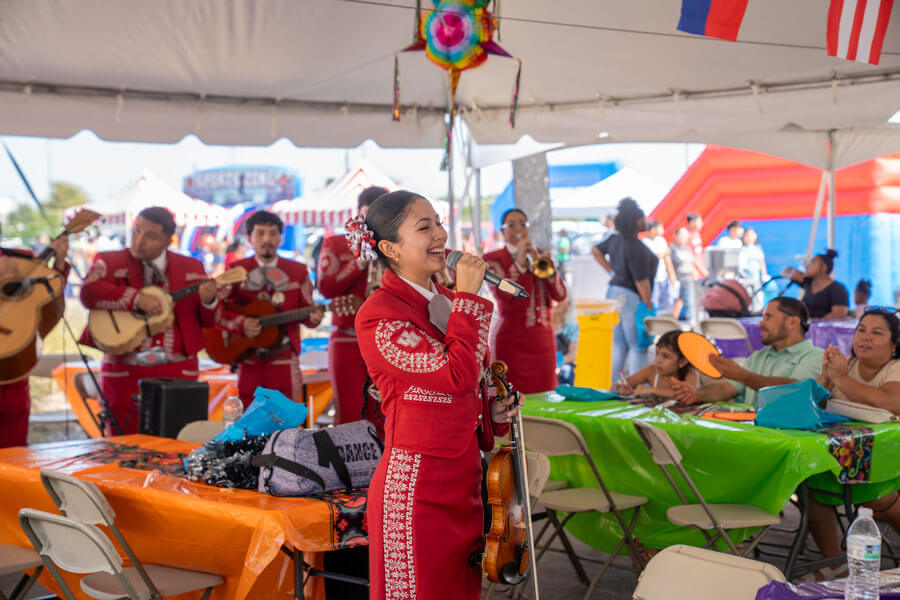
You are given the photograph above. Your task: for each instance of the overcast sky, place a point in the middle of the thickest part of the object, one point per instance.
(104, 168)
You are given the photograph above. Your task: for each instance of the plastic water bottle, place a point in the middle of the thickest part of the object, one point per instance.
(233, 407)
(863, 557)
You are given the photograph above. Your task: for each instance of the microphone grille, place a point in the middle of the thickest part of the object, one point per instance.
(453, 258)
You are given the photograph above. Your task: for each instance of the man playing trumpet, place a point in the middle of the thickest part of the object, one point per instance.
(523, 336)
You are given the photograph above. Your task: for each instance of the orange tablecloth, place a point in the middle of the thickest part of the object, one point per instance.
(318, 392)
(171, 521)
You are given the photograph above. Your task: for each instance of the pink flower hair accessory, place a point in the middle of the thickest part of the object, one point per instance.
(359, 239)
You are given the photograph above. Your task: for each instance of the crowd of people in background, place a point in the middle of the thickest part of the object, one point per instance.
(650, 275)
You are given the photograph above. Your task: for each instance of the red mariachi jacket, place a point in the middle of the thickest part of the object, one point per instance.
(339, 275)
(116, 278)
(429, 381)
(297, 294)
(533, 311)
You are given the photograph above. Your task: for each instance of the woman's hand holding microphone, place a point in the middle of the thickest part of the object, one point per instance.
(470, 274)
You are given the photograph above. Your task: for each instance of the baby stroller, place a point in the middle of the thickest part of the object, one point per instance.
(726, 298)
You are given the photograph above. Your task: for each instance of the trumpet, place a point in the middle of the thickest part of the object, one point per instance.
(541, 264)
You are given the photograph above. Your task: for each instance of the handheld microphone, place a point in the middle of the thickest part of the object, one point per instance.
(504, 285)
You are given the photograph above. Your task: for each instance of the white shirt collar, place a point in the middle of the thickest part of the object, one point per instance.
(428, 294)
(262, 263)
(161, 261)
(513, 250)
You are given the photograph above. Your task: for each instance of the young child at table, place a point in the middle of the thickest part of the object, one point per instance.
(656, 379)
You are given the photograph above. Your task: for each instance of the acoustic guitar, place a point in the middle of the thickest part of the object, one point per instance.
(27, 305)
(227, 348)
(120, 331)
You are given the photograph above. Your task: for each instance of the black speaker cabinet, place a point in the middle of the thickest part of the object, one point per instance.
(167, 405)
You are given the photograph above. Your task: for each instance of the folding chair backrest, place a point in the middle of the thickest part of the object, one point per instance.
(77, 499)
(538, 466)
(74, 546)
(687, 573)
(658, 442)
(84, 385)
(200, 431)
(552, 437)
(660, 325)
(723, 329)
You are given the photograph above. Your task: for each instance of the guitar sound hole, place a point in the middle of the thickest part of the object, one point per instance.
(12, 289)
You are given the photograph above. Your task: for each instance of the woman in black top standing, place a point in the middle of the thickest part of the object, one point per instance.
(823, 296)
(632, 266)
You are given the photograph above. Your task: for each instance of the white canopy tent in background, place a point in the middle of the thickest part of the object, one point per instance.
(149, 190)
(600, 199)
(336, 202)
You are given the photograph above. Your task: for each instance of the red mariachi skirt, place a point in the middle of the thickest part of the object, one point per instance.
(425, 522)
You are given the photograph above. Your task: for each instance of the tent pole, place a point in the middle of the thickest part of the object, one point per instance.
(817, 213)
(451, 219)
(830, 175)
(476, 212)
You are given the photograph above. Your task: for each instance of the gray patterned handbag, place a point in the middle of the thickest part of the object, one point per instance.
(302, 462)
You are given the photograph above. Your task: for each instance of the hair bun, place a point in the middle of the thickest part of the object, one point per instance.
(831, 253)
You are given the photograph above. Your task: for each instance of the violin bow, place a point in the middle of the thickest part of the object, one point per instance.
(504, 390)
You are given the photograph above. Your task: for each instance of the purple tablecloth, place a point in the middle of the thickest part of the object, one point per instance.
(821, 333)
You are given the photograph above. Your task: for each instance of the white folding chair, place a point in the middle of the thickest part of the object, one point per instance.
(46, 363)
(687, 573)
(719, 328)
(703, 516)
(15, 559)
(553, 437)
(200, 431)
(82, 548)
(84, 502)
(661, 324)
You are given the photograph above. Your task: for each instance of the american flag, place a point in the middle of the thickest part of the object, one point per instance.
(856, 29)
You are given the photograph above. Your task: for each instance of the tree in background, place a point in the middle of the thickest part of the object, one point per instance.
(28, 224)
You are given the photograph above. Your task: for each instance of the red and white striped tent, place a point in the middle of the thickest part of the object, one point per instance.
(336, 202)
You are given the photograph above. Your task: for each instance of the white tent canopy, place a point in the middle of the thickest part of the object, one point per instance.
(600, 199)
(147, 190)
(320, 72)
(334, 204)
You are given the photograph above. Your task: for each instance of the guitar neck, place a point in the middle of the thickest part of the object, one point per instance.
(291, 316)
(185, 291)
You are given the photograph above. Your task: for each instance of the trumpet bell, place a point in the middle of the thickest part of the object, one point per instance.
(543, 267)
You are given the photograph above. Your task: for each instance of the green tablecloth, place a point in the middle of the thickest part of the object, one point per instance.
(731, 463)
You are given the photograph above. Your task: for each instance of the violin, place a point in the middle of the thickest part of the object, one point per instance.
(507, 556)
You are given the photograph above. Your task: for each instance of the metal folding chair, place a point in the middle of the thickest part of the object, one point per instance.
(15, 559)
(558, 438)
(687, 573)
(703, 516)
(82, 548)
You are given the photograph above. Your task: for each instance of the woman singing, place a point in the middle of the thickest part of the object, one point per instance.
(426, 349)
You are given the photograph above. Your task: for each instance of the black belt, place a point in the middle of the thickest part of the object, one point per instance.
(272, 352)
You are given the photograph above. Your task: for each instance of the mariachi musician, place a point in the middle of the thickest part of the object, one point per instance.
(114, 282)
(15, 396)
(285, 283)
(341, 274)
(523, 337)
(426, 350)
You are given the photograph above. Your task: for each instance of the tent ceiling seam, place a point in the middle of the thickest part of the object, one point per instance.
(751, 89)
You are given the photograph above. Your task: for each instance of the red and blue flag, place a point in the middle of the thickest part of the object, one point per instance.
(713, 18)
